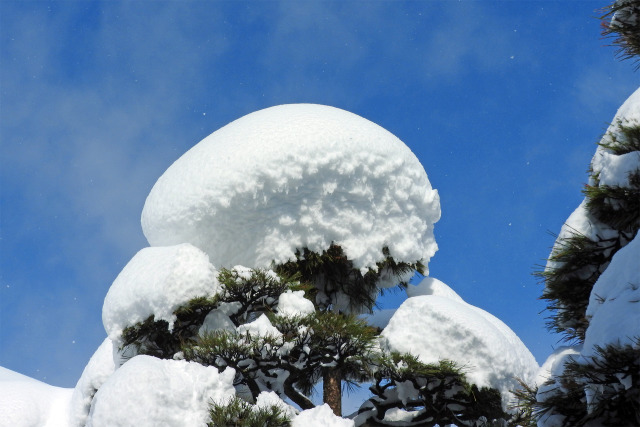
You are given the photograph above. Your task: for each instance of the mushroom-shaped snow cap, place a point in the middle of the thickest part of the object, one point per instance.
(291, 177)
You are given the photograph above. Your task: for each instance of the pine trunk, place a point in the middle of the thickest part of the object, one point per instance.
(332, 389)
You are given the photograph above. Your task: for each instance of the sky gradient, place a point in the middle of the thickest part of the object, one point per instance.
(502, 102)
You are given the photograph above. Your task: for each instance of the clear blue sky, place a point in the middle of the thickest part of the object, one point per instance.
(502, 102)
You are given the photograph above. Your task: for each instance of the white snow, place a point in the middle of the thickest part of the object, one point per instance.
(320, 416)
(611, 170)
(435, 327)
(26, 402)
(432, 286)
(614, 302)
(551, 369)
(614, 170)
(261, 327)
(98, 370)
(216, 320)
(150, 392)
(296, 176)
(156, 282)
(614, 306)
(293, 303)
(269, 398)
(554, 365)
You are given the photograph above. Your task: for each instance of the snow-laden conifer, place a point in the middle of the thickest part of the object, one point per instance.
(592, 279)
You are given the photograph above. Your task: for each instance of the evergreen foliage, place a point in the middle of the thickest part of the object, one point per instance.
(524, 408)
(621, 21)
(626, 140)
(577, 260)
(238, 413)
(599, 386)
(249, 295)
(299, 351)
(336, 279)
(433, 394)
(603, 389)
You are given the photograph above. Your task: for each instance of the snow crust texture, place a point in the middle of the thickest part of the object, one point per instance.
(156, 282)
(26, 402)
(614, 306)
(150, 392)
(296, 176)
(436, 327)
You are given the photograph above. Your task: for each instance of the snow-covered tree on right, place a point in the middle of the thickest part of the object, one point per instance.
(592, 277)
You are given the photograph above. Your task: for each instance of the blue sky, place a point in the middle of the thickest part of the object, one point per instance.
(502, 102)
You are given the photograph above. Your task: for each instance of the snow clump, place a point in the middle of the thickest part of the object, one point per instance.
(293, 304)
(436, 327)
(291, 177)
(615, 296)
(157, 281)
(150, 392)
(320, 416)
(433, 286)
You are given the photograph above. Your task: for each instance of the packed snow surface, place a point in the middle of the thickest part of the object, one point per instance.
(150, 392)
(296, 176)
(432, 286)
(156, 282)
(26, 402)
(614, 306)
(320, 416)
(100, 367)
(435, 327)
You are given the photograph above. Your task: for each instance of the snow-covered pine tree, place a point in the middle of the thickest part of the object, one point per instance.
(288, 352)
(592, 276)
(327, 209)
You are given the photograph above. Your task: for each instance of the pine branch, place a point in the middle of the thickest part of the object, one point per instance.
(621, 22)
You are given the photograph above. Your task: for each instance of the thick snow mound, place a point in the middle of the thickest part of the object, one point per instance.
(26, 402)
(320, 416)
(614, 305)
(150, 392)
(293, 303)
(435, 327)
(432, 286)
(100, 367)
(156, 282)
(296, 176)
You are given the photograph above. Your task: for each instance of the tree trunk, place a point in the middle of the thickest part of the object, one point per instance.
(332, 389)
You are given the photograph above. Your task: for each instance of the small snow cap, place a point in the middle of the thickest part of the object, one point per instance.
(291, 177)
